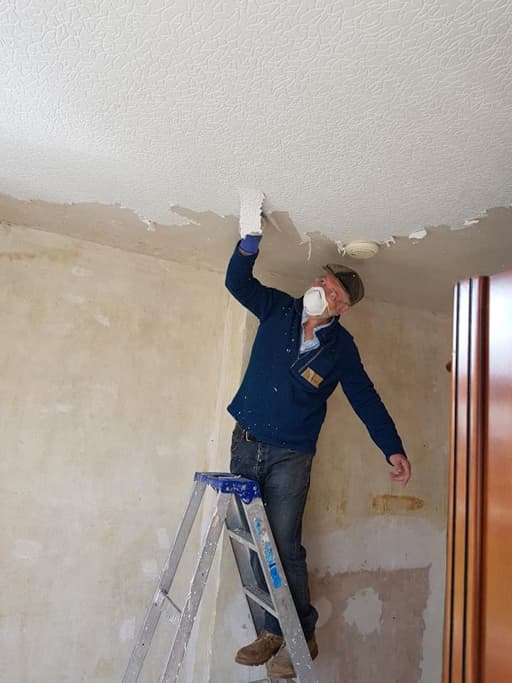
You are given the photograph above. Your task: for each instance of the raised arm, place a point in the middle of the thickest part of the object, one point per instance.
(242, 284)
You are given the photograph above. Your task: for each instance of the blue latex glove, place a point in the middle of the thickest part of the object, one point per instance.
(250, 244)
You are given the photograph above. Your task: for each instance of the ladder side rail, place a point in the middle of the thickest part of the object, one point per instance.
(236, 518)
(182, 536)
(154, 611)
(279, 590)
(200, 577)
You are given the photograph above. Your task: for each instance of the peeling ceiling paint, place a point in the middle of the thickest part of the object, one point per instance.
(419, 273)
(360, 119)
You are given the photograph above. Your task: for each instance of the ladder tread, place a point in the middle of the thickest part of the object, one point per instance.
(242, 536)
(261, 597)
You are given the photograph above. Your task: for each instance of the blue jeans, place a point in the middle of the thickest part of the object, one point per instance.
(283, 476)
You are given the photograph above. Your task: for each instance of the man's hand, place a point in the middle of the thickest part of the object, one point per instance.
(249, 245)
(401, 468)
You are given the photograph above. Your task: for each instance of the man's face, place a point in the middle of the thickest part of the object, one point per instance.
(336, 296)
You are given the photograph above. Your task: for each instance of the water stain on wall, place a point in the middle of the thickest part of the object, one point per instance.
(55, 255)
(394, 505)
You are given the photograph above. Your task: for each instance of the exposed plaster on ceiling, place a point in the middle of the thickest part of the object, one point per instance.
(361, 119)
(419, 273)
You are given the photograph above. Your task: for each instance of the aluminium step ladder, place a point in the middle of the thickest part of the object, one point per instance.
(240, 508)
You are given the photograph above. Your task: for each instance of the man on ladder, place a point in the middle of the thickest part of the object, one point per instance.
(299, 355)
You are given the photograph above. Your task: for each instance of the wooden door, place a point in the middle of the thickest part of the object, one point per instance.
(478, 624)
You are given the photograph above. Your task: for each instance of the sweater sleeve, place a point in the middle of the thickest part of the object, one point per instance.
(249, 291)
(367, 403)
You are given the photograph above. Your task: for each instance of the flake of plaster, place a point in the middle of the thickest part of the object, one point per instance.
(475, 220)
(251, 204)
(340, 246)
(307, 240)
(418, 235)
(267, 214)
(176, 219)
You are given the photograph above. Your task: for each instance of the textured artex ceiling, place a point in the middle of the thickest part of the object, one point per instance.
(360, 119)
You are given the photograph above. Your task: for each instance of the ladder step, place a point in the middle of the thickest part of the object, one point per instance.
(261, 597)
(243, 537)
(275, 680)
(169, 607)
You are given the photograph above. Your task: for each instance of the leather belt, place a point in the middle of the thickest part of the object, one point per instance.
(246, 436)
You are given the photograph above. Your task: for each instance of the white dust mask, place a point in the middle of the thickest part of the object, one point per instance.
(315, 303)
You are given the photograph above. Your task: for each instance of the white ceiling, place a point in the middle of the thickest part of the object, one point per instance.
(359, 118)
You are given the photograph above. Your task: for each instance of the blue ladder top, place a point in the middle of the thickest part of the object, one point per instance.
(224, 482)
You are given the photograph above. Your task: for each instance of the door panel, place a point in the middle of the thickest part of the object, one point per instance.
(497, 509)
(478, 625)
(462, 621)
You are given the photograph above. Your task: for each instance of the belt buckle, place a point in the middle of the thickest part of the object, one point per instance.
(247, 436)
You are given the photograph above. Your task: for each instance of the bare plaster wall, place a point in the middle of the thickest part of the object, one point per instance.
(369, 537)
(376, 551)
(115, 369)
(110, 403)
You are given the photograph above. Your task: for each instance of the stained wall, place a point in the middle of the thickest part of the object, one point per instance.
(377, 550)
(114, 373)
(115, 370)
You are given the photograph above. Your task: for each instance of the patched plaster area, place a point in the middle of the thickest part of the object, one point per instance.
(360, 119)
(364, 611)
(376, 626)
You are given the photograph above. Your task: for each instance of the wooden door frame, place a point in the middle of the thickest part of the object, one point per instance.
(462, 634)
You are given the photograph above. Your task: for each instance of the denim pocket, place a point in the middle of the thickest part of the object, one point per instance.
(235, 462)
(236, 438)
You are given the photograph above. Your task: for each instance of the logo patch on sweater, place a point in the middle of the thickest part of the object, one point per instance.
(312, 377)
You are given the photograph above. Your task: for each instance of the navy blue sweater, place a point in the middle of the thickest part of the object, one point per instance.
(283, 395)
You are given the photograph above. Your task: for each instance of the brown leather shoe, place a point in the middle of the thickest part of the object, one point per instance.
(281, 666)
(259, 651)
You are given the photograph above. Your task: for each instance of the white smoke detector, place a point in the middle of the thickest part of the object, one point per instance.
(361, 250)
